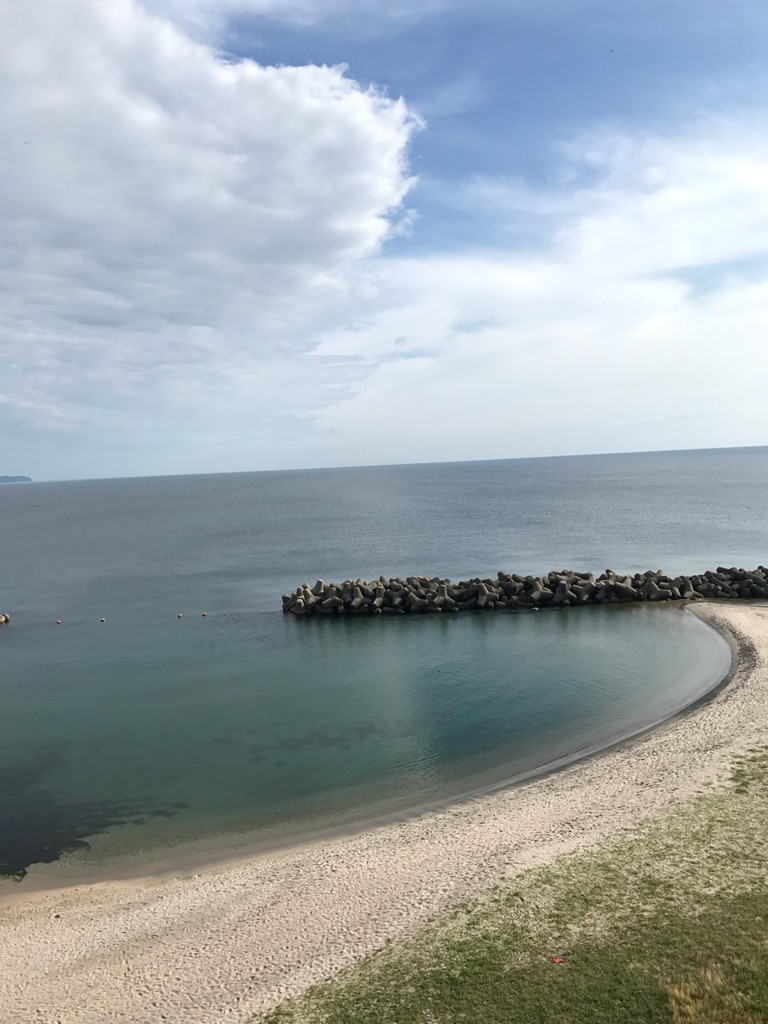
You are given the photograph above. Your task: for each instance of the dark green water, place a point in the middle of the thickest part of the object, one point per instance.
(148, 737)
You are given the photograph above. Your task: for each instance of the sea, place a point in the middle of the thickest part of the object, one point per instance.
(138, 734)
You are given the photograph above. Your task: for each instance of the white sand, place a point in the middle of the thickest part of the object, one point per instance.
(231, 941)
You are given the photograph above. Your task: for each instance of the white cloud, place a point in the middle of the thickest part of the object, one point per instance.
(208, 18)
(597, 339)
(192, 274)
(171, 223)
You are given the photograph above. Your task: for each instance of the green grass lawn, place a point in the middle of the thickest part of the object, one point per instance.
(666, 924)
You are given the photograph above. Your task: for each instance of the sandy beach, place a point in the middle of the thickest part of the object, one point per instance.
(232, 941)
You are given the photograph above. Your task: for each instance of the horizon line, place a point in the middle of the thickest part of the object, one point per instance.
(397, 465)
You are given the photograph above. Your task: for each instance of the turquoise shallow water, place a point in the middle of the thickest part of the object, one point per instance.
(147, 734)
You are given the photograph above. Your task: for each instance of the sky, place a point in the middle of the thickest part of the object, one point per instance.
(263, 234)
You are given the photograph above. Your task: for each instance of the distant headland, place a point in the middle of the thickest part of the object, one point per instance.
(512, 592)
(15, 479)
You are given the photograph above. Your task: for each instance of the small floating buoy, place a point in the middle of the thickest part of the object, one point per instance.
(179, 616)
(103, 620)
(58, 622)
(205, 615)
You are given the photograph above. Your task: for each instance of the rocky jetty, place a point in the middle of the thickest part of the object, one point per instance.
(512, 592)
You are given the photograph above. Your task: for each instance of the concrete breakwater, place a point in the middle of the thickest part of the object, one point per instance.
(512, 592)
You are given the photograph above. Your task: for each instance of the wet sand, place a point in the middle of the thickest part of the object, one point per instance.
(231, 941)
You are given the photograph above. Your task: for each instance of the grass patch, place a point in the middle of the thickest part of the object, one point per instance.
(750, 769)
(667, 925)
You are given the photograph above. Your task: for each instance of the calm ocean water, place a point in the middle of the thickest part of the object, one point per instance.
(149, 735)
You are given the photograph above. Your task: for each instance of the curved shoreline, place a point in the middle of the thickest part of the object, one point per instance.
(221, 850)
(234, 941)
